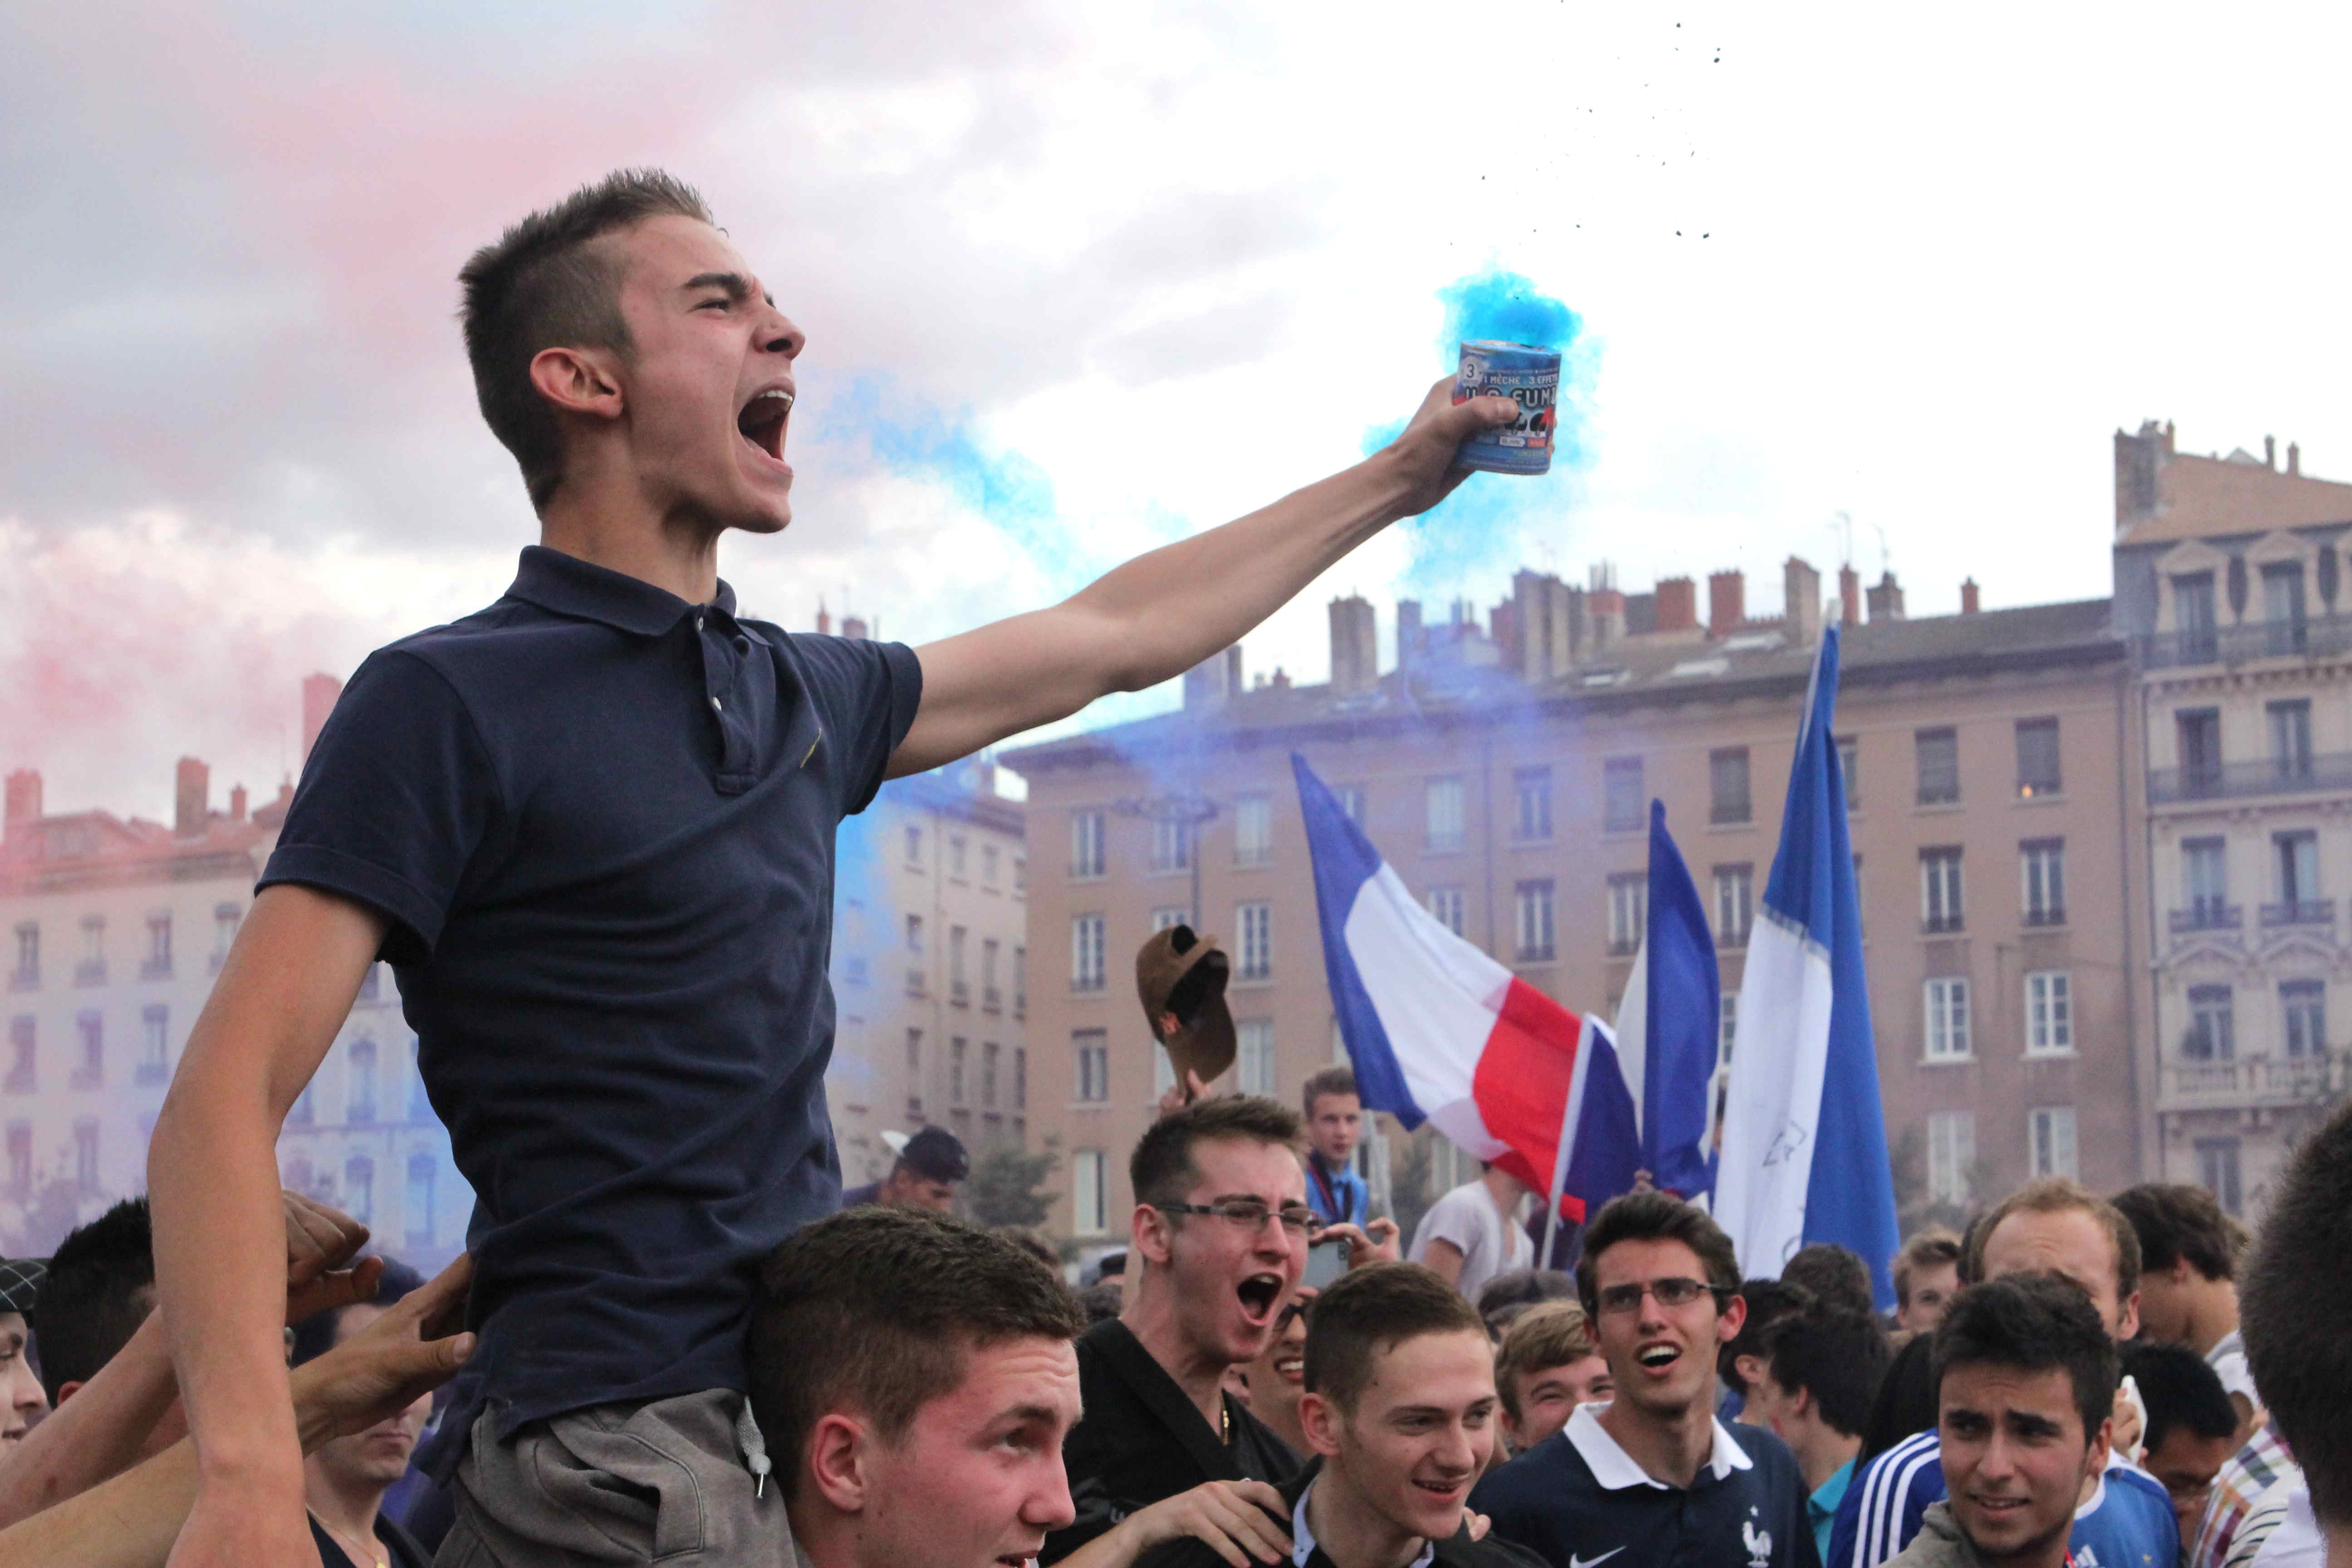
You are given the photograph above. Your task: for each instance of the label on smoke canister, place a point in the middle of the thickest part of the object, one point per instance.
(1530, 376)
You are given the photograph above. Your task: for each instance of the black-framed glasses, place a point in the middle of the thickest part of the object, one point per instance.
(1674, 1290)
(1251, 1213)
(1292, 1308)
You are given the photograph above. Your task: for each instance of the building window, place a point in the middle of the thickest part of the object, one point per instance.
(420, 1103)
(1947, 1019)
(1531, 797)
(86, 1158)
(1089, 1197)
(1087, 953)
(1627, 895)
(2298, 880)
(359, 1188)
(1171, 846)
(1020, 982)
(2037, 758)
(2050, 1139)
(2283, 608)
(90, 1068)
(2212, 1034)
(1444, 826)
(1019, 1078)
(1727, 773)
(1257, 922)
(417, 1208)
(28, 972)
(991, 862)
(1940, 907)
(1940, 766)
(2198, 733)
(92, 968)
(1352, 802)
(1849, 758)
(2193, 617)
(2204, 871)
(22, 1078)
(154, 1044)
(1532, 901)
(2050, 1013)
(305, 1112)
(1734, 904)
(1726, 1025)
(225, 921)
(957, 1052)
(1253, 830)
(915, 936)
(20, 1157)
(2043, 862)
(992, 997)
(2303, 1006)
(2290, 727)
(1951, 1155)
(2217, 1172)
(955, 857)
(1445, 906)
(959, 986)
(1254, 1055)
(157, 964)
(359, 1083)
(1620, 795)
(990, 1058)
(1087, 856)
(914, 843)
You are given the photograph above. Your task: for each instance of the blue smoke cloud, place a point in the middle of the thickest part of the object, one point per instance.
(1492, 524)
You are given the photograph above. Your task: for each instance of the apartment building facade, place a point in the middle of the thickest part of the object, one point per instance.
(2234, 579)
(1506, 772)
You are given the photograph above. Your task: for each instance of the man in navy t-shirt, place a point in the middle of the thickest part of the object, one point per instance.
(1653, 1474)
(592, 826)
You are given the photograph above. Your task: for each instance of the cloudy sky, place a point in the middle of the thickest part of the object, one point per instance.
(1138, 268)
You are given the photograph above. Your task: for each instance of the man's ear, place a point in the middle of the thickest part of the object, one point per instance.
(2095, 1458)
(1151, 1234)
(2128, 1320)
(1322, 1421)
(837, 1461)
(579, 381)
(1731, 1320)
(67, 1390)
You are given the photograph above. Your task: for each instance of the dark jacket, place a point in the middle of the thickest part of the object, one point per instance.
(1458, 1552)
(1141, 1440)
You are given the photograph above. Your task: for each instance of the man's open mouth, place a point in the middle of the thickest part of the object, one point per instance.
(1258, 1294)
(1290, 1368)
(1656, 1357)
(763, 420)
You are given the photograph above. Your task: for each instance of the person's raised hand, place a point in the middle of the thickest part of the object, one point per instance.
(320, 1243)
(1375, 1242)
(1423, 456)
(1229, 1517)
(412, 1350)
(1184, 1094)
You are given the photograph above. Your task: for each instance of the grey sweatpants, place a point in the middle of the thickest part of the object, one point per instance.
(665, 1481)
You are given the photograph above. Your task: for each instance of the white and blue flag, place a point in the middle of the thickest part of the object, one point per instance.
(1804, 1139)
(1667, 1024)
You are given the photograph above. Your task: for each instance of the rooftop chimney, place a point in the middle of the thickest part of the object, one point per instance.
(1969, 597)
(823, 620)
(1216, 678)
(1801, 596)
(1727, 602)
(1355, 647)
(24, 800)
(319, 694)
(1409, 640)
(236, 799)
(1678, 604)
(1607, 609)
(1849, 596)
(1886, 599)
(2270, 452)
(192, 797)
(2294, 458)
(853, 627)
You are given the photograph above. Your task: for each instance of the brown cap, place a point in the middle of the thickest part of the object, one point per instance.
(1179, 972)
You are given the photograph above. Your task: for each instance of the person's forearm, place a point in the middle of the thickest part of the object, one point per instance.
(129, 1522)
(98, 1433)
(1114, 1548)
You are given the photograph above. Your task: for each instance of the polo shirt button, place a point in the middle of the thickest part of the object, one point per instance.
(714, 705)
(698, 623)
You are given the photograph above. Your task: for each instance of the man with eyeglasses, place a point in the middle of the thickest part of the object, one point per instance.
(1217, 1242)
(1653, 1474)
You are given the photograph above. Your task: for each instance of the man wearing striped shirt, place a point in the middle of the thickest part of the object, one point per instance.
(2125, 1517)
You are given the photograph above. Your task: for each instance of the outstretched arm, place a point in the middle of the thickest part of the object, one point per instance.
(1161, 614)
(220, 1233)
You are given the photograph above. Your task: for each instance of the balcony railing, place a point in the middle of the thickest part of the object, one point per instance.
(1732, 939)
(2208, 914)
(991, 1000)
(91, 972)
(2229, 781)
(26, 979)
(2050, 915)
(915, 983)
(1944, 925)
(2292, 1080)
(959, 993)
(155, 969)
(2306, 912)
(1623, 946)
(2316, 637)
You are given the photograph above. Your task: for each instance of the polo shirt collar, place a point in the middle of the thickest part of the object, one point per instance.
(1826, 1497)
(585, 590)
(1615, 1469)
(1302, 1538)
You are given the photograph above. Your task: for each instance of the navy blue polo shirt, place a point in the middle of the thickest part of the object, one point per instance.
(1577, 1499)
(601, 822)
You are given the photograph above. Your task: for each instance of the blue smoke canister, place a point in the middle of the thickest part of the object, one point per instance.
(1530, 376)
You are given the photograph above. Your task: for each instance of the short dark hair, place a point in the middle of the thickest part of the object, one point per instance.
(1656, 1216)
(1101, 1300)
(2173, 1221)
(546, 284)
(2055, 1195)
(314, 1336)
(1524, 1287)
(1331, 1080)
(1368, 1312)
(99, 1289)
(2034, 1322)
(1837, 1354)
(2179, 1389)
(1161, 1171)
(1546, 1335)
(1769, 1302)
(1931, 1248)
(874, 1310)
(2292, 1311)
(1905, 1405)
(1836, 1277)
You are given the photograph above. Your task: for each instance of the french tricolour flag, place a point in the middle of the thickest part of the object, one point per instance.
(1804, 1140)
(1440, 1032)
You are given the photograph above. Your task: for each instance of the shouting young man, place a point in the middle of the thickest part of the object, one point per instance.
(592, 826)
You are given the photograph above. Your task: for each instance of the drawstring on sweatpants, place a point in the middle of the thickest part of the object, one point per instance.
(754, 1446)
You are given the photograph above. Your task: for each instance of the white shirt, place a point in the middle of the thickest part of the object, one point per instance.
(1615, 1469)
(1490, 1243)
(2296, 1542)
(2228, 1360)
